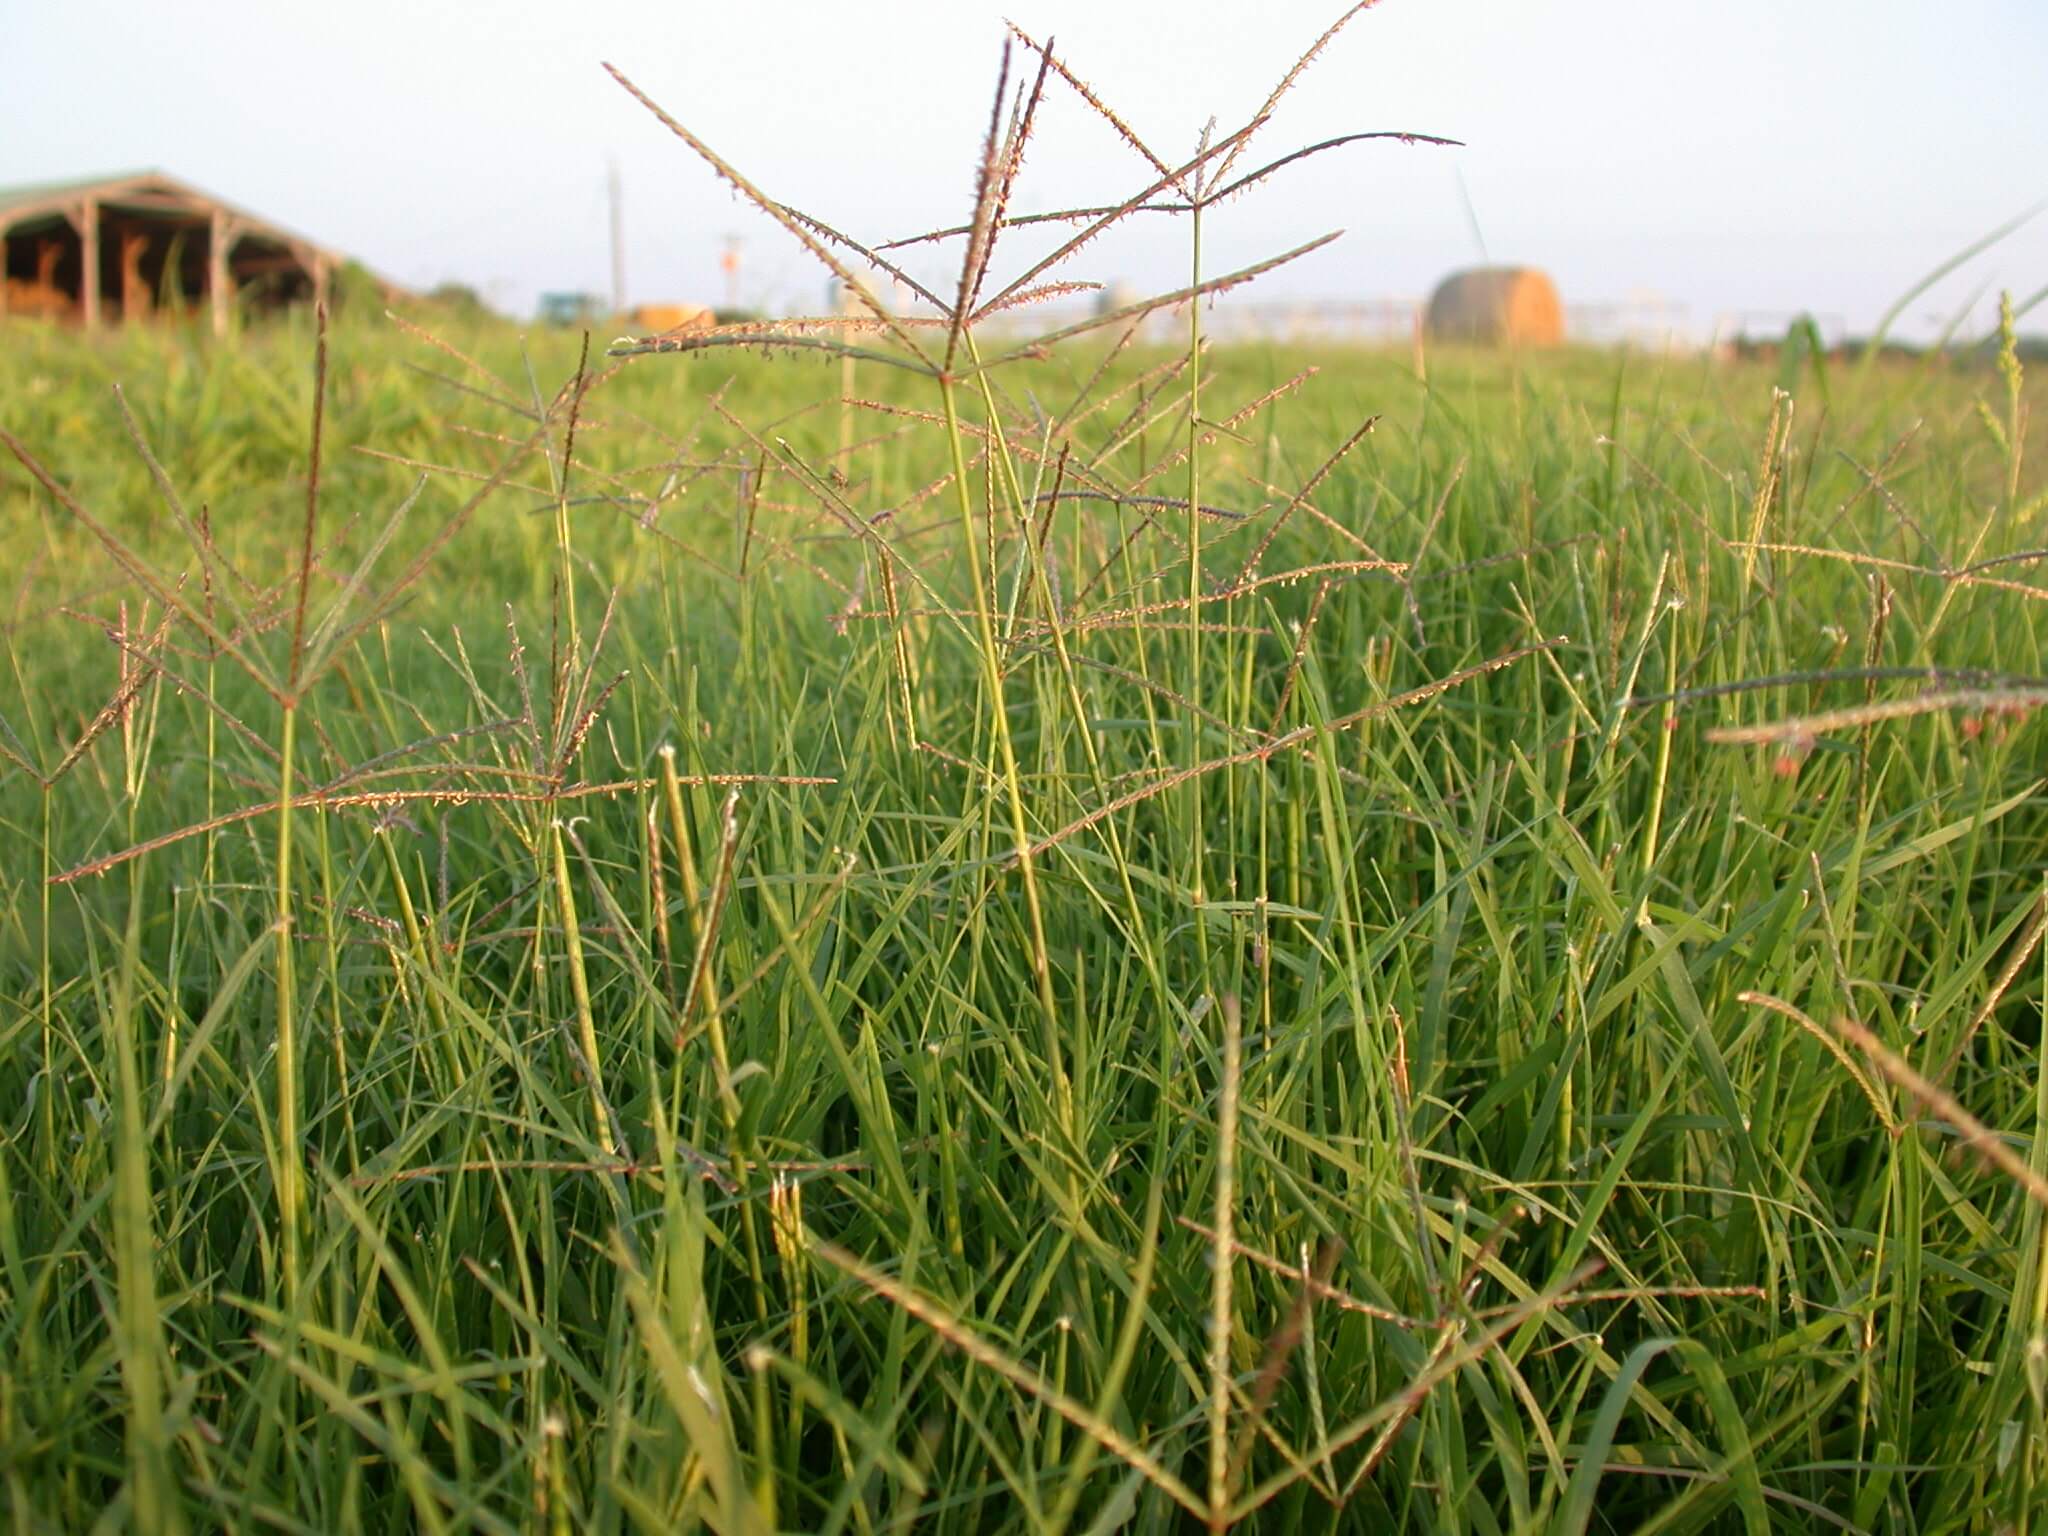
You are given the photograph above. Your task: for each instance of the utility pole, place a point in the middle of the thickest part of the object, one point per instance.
(729, 263)
(618, 241)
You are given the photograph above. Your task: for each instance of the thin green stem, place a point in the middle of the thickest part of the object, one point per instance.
(290, 1177)
(992, 683)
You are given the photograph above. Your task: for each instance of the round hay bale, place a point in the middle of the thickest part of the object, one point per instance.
(1497, 307)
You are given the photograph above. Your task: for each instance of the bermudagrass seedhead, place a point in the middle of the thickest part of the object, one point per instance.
(1198, 183)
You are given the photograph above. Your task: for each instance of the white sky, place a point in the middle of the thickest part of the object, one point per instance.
(1748, 155)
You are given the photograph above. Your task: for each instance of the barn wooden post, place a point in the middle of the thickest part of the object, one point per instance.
(219, 283)
(89, 261)
(134, 291)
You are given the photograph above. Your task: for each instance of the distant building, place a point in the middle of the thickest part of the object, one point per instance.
(131, 245)
(1497, 306)
(572, 309)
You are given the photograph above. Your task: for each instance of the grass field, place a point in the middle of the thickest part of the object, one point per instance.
(675, 951)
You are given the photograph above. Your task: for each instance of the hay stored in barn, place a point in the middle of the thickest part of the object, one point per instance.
(1497, 307)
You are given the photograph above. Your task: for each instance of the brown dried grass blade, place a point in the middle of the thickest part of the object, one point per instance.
(1447, 1359)
(1319, 1286)
(1310, 1284)
(1974, 1133)
(978, 1349)
(1802, 729)
(1832, 1046)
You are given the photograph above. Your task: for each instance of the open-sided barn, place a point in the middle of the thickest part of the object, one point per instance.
(133, 245)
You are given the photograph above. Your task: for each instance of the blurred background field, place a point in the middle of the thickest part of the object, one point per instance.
(765, 1154)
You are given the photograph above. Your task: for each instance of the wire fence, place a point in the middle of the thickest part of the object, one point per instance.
(1646, 322)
